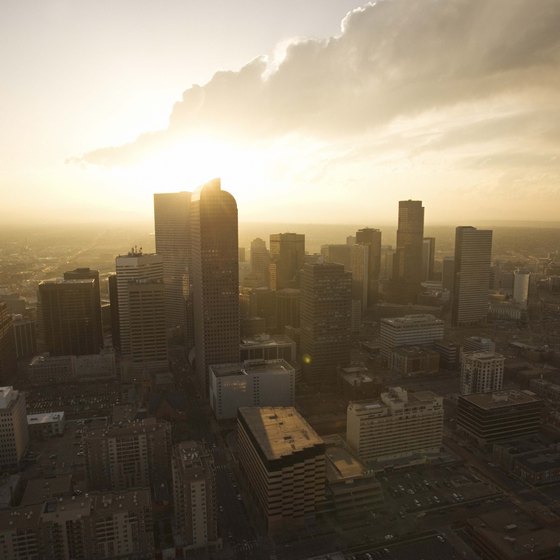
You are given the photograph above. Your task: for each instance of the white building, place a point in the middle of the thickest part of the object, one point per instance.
(397, 425)
(46, 424)
(14, 435)
(410, 330)
(251, 383)
(482, 372)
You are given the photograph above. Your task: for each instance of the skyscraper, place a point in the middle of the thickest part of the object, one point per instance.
(428, 257)
(8, 355)
(215, 278)
(326, 298)
(407, 262)
(173, 244)
(69, 318)
(89, 274)
(371, 238)
(287, 253)
(473, 252)
(260, 261)
(14, 434)
(140, 294)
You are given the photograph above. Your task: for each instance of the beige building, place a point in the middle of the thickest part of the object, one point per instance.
(128, 455)
(194, 494)
(397, 425)
(46, 424)
(482, 372)
(97, 525)
(282, 461)
(14, 434)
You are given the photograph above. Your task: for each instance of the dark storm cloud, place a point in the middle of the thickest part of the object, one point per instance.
(393, 58)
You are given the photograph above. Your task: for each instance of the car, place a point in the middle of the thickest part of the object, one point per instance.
(389, 537)
(440, 538)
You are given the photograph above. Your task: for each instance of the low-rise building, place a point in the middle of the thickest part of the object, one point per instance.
(482, 372)
(251, 383)
(414, 360)
(46, 424)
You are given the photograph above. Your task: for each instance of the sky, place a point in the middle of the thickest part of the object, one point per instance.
(316, 111)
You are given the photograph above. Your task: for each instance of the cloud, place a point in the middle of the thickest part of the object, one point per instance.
(394, 59)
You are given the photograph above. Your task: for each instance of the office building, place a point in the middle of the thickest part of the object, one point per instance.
(194, 495)
(89, 274)
(502, 415)
(96, 525)
(326, 298)
(414, 360)
(287, 309)
(340, 254)
(267, 347)
(361, 289)
(407, 261)
(14, 434)
(127, 455)
(251, 383)
(428, 257)
(352, 491)
(478, 344)
(287, 253)
(262, 303)
(114, 305)
(25, 337)
(482, 372)
(473, 253)
(68, 316)
(260, 261)
(140, 294)
(409, 330)
(399, 424)
(173, 244)
(282, 462)
(371, 239)
(448, 274)
(521, 288)
(215, 279)
(46, 424)
(8, 355)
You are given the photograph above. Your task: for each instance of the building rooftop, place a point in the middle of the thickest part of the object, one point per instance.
(44, 418)
(7, 396)
(484, 356)
(414, 351)
(341, 464)
(39, 490)
(266, 340)
(252, 367)
(279, 431)
(501, 399)
(412, 320)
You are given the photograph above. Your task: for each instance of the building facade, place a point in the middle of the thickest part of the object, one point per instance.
(14, 433)
(397, 425)
(482, 372)
(287, 254)
(326, 306)
(215, 279)
(473, 255)
(282, 462)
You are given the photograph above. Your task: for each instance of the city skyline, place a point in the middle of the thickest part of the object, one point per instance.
(341, 106)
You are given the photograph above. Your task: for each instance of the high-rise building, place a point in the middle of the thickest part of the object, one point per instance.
(89, 274)
(287, 308)
(114, 302)
(194, 494)
(215, 278)
(260, 261)
(326, 299)
(69, 317)
(251, 383)
(282, 461)
(340, 254)
(410, 330)
(428, 257)
(14, 433)
(8, 354)
(398, 425)
(25, 336)
(128, 455)
(140, 294)
(521, 287)
(360, 274)
(407, 261)
(473, 253)
(448, 273)
(370, 238)
(173, 243)
(287, 254)
(482, 372)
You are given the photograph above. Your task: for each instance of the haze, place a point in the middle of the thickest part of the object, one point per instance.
(313, 111)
